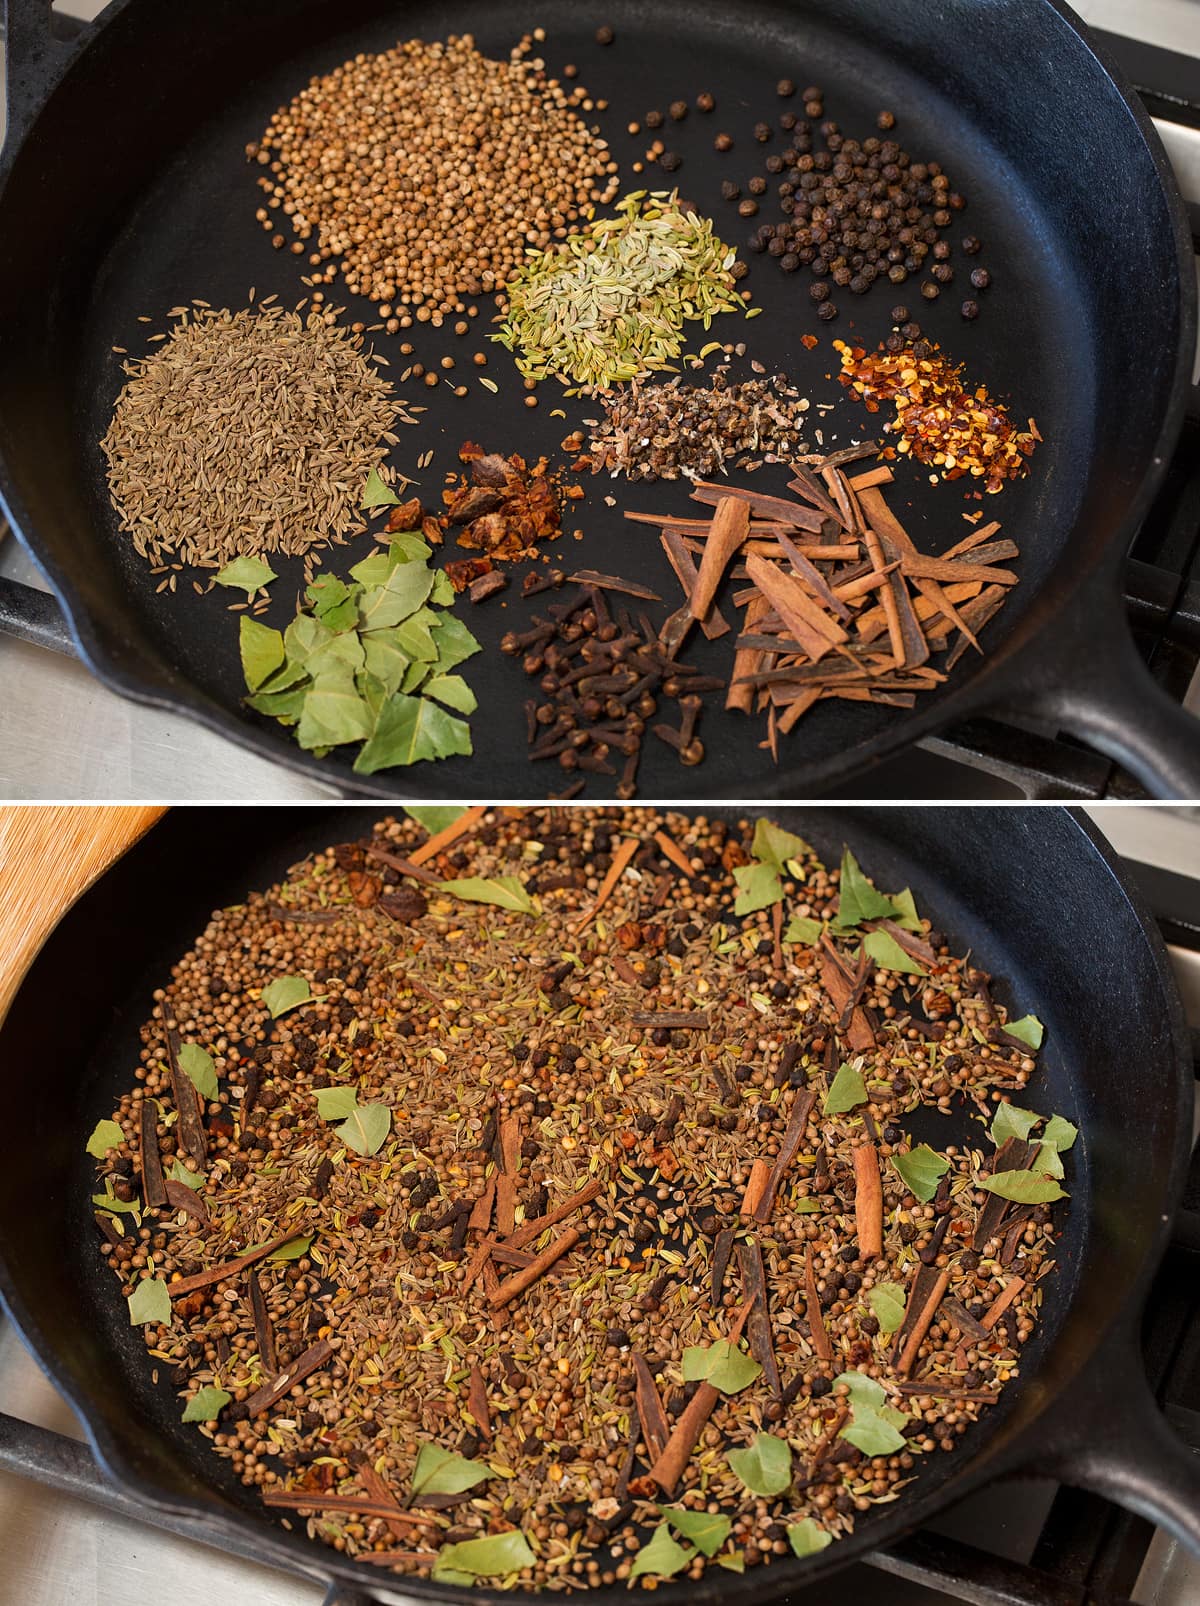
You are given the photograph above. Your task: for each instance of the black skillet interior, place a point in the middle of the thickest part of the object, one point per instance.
(1030, 894)
(1008, 97)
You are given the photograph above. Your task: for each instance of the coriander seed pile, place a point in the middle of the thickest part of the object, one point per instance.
(424, 172)
(536, 1200)
(247, 432)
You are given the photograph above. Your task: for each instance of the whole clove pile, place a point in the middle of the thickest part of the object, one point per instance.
(840, 603)
(534, 1200)
(603, 671)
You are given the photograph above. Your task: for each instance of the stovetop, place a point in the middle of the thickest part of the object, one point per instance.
(67, 1535)
(64, 735)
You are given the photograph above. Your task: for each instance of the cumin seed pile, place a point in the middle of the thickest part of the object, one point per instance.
(451, 1165)
(247, 432)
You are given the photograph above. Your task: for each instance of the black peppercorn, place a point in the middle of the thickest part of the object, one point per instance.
(748, 207)
(970, 310)
(827, 312)
(739, 270)
(886, 120)
(971, 245)
(819, 1386)
(819, 291)
(757, 186)
(899, 315)
(894, 342)
(705, 102)
(789, 262)
(785, 89)
(923, 349)
(605, 36)
(729, 190)
(930, 290)
(670, 161)
(980, 278)
(942, 272)
(678, 110)
(911, 331)
(653, 119)
(723, 142)
(762, 132)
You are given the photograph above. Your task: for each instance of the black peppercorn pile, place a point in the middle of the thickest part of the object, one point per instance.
(855, 211)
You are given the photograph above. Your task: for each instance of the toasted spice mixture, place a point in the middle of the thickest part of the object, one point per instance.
(246, 432)
(941, 418)
(663, 431)
(517, 1218)
(377, 165)
(610, 303)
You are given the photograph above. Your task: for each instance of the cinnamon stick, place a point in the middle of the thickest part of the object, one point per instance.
(762, 1343)
(317, 1356)
(812, 1303)
(794, 514)
(405, 866)
(229, 1268)
(529, 1230)
(521, 1280)
(153, 1190)
(477, 1404)
(672, 850)
(668, 1467)
(433, 845)
(181, 1197)
(756, 1185)
(1001, 1302)
(655, 1428)
(618, 867)
(921, 1324)
(317, 1500)
(264, 1335)
(793, 1136)
(713, 623)
(383, 1496)
(746, 660)
(730, 527)
(190, 1114)
(868, 1201)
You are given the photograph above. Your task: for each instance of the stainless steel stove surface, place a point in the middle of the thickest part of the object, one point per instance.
(64, 735)
(1026, 1544)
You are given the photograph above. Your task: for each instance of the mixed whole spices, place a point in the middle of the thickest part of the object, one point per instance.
(247, 432)
(531, 1195)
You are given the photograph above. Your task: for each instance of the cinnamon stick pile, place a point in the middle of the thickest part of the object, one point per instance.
(840, 603)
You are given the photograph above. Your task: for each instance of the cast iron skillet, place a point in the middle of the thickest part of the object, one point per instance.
(1089, 328)
(1031, 891)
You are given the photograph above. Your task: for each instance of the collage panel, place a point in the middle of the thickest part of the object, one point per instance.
(603, 1197)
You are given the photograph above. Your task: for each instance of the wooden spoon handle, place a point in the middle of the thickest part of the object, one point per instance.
(49, 857)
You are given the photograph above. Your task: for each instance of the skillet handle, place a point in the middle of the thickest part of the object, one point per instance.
(38, 43)
(1128, 1453)
(1094, 685)
(34, 616)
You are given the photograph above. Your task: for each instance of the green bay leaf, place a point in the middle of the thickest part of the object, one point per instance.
(873, 1432)
(246, 574)
(455, 644)
(336, 1103)
(441, 1471)
(366, 1128)
(765, 1467)
(377, 493)
(334, 711)
(887, 1301)
(436, 817)
(775, 846)
(106, 1135)
(506, 891)
(1060, 1133)
(886, 951)
(846, 1091)
(294, 1249)
(1023, 1187)
(453, 691)
(660, 1556)
(1011, 1122)
(858, 899)
(206, 1405)
(405, 589)
(149, 1302)
(198, 1067)
(722, 1364)
(806, 1538)
(1028, 1029)
(707, 1530)
(759, 887)
(409, 730)
(284, 993)
(262, 651)
(921, 1170)
(801, 928)
(495, 1556)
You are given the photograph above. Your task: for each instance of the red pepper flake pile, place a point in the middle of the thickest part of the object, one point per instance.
(940, 419)
(502, 506)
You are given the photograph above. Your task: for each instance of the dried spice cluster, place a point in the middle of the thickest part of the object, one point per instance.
(454, 1215)
(940, 419)
(378, 168)
(245, 432)
(659, 432)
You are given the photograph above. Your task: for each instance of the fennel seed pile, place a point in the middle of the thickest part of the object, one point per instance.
(245, 432)
(610, 303)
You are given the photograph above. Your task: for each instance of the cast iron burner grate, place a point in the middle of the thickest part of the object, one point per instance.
(1088, 1552)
